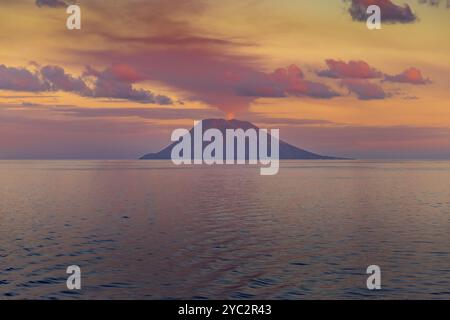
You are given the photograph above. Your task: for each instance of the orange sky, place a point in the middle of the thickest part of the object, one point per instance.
(138, 69)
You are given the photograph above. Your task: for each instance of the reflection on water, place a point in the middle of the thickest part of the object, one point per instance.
(149, 230)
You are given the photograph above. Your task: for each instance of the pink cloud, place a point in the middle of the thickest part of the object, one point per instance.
(411, 76)
(126, 73)
(364, 89)
(283, 82)
(352, 69)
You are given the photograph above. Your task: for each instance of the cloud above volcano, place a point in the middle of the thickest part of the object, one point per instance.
(283, 82)
(353, 69)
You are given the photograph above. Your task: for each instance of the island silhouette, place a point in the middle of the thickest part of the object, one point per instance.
(287, 151)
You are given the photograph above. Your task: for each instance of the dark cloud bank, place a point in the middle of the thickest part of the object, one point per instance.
(390, 12)
(115, 82)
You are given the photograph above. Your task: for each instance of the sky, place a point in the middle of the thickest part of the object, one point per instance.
(138, 69)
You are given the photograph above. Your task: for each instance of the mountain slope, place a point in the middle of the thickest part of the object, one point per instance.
(287, 151)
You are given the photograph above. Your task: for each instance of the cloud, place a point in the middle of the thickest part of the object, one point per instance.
(436, 3)
(115, 82)
(262, 120)
(356, 73)
(143, 113)
(20, 79)
(364, 89)
(59, 80)
(204, 66)
(126, 73)
(106, 88)
(173, 40)
(353, 69)
(411, 76)
(283, 82)
(390, 12)
(51, 3)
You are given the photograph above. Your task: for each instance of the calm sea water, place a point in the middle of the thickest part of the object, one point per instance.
(149, 230)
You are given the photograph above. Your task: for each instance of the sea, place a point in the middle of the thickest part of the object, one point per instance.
(153, 230)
